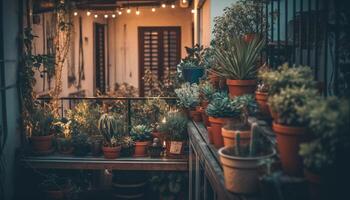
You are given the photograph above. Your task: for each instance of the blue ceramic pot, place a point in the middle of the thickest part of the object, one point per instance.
(192, 75)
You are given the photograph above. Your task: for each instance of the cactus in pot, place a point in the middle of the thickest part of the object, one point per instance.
(240, 162)
(108, 127)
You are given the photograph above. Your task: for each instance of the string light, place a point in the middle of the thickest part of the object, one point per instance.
(88, 13)
(75, 13)
(153, 9)
(113, 16)
(163, 5)
(95, 16)
(137, 11)
(193, 11)
(120, 12)
(106, 16)
(172, 5)
(184, 1)
(128, 11)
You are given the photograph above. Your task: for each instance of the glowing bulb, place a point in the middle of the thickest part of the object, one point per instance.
(113, 16)
(163, 5)
(106, 16)
(88, 13)
(137, 12)
(164, 120)
(184, 1)
(119, 12)
(193, 11)
(128, 11)
(95, 16)
(172, 5)
(75, 13)
(153, 9)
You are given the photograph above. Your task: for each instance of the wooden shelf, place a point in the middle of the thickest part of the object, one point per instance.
(100, 163)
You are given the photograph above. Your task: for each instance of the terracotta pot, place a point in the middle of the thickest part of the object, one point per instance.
(241, 173)
(288, 140)
(230, 137)
(204, 104)
(205, 119)
(240, 87)
(141, 149)
(42, 144)
(261, 99)
(249, 37)
(314, 184)
(54, 194)
(210, 135)
(168, 148)
(196, 115)
(111, 152)
(216, 125)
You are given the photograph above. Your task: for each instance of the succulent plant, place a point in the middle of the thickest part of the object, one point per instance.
(141, 133)
(206, 90)
(188, 95)
(108, 127)
(174, 127)
(220, 106)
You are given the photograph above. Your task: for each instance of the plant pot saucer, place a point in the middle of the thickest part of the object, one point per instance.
(43, 153)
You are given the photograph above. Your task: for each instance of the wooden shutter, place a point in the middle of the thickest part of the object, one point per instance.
(100, 61)
(159, 51)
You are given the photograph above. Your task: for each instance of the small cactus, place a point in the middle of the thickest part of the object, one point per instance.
(249, 150)
(253, 140)
(238, 143)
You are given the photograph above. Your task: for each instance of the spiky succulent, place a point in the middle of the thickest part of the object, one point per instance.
(188, 95)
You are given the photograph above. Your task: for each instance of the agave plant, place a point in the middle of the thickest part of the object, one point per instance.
(238, 59)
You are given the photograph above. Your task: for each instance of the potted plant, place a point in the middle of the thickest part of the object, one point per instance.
(191, 68)
(237, 62)
(81, 144)
(155, 149)
(241, 162)
(128, 146)
(41, 130)
(55, 188)
(206, 91)
(219, 110)
(325, 166)
(141, 134)
(243, 106)
(261, 93)
(63, 136)
(290, 125)
(175, 130)
(108, 126)
(188, 98)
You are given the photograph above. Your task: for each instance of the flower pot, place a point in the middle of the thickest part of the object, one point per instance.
(229, 137)
(155, 151)
(314, 184)
(241, 173)
(42, 144)
(210, 135)
(175, 148)
(240, 87)
(54, 194)
(111, 152)
(192, 75)
(216, 125)
(261, 99)
(141, 149)
(288, 140)
(196, 115)
(249, 37)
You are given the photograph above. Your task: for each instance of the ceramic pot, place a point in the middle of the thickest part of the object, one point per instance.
(42, 144)
(210, 135)
(141, 149)
(240, 87)
(261, 99)
(229, 137)
(192, 75)
(111, 152)
(241, 173)
(288, 140)
(314, 184)
(216, 124)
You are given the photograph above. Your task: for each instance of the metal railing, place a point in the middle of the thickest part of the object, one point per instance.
(127, 103)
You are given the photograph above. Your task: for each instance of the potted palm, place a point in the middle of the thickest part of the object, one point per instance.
(290, 126)
(237, 62)
(240, 163)
(141, 134)
(243, 106)
(324, 165)
(188, 98)
(41, 130)
(108, 127)
(219, 110)
(175, 130)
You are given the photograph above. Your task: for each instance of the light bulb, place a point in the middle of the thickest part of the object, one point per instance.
(75, 13)
(106, 16)
(193, 11)
(113, 16)
(137, 12)
(184, 1)
(163, 5)
(95, 16)
(128, 11)
(153, 9)
(88, 13)
(120, 12)
(172, 5)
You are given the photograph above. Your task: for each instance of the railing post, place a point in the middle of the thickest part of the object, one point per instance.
(129, 114)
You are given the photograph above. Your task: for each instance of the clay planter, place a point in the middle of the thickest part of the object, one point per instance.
(210, 135)
(241, 173)
(54, 194)
(196, 115)
(42, 144)
(314, 184)
(216, 125)
(141, 149)
(288, 140)
(240, 87)
(261, 99)
(230, 137)
(111, 152)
